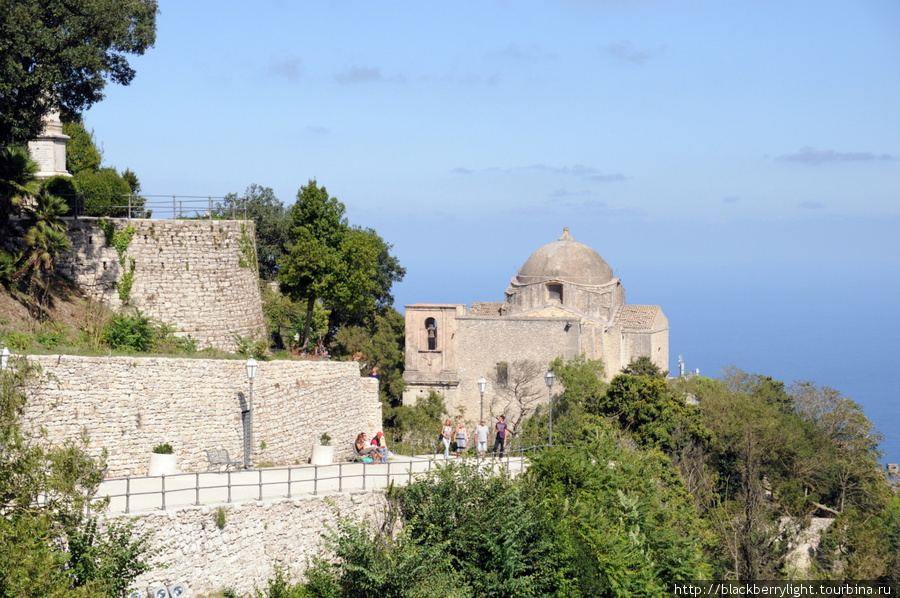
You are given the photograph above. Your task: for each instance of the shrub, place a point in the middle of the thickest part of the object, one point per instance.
(105, 192)
(63, 187)
(220, 518)
(163, 449)
(135, 332)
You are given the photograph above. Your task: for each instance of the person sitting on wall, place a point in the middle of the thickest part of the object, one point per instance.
(320, 349)
(363, 448)
(381, 446)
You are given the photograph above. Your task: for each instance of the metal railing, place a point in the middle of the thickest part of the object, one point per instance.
(144, 493)
(157, 206)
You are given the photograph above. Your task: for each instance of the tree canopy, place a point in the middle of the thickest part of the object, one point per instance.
(348, 268)
(61, 53)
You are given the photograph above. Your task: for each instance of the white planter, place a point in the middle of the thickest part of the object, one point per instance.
(322, 455)
(161, 464)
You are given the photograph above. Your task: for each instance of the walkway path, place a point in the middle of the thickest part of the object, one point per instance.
(141, 494)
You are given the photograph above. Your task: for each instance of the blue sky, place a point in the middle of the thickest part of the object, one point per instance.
(737, 162)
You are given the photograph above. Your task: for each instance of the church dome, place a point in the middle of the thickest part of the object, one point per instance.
(565, 260)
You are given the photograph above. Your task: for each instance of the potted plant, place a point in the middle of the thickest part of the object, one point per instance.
(162, 460)
(323, 454)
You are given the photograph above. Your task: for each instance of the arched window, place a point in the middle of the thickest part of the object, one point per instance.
(431, 330)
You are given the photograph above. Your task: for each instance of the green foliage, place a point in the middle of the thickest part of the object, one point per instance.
(285, 317)
(251, 347)
(270, 217)
(328, 259)
(163, 449)
(44, 490)
(81, 149)
(324, 439)
(415, 426)
(114, 559)
(131, 331)
(379, 341)
(17, 182)
(105, 193)
(123, 286)
(120, 241)
(623, 522)
(220, 518)
(63, 54)
(643, 366)
(247, 257)
(63, 187)
(650, 410)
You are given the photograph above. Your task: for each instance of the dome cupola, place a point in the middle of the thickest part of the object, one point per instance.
(565, 260)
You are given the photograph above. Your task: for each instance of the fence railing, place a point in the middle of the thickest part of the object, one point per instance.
(138, 494)
(157, 206)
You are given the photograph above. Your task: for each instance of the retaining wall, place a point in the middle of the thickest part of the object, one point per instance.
(242, 554)
(128, 405)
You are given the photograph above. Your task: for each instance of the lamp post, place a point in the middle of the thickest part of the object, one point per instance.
(248, 453)
(549, 378)
(4, 357)
(482, 384)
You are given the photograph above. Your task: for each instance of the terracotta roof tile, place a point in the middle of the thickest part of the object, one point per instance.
(638, 317)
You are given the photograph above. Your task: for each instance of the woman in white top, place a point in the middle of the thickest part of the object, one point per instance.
(446, 431)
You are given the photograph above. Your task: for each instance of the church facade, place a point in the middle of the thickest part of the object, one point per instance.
(564, 302)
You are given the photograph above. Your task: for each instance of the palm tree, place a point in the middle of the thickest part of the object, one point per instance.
(17, 180)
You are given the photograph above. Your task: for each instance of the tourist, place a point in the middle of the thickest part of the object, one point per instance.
(462, 437)
(481, 438)
(363, 448)
(446, 431)
(500, 438)
(381, 446)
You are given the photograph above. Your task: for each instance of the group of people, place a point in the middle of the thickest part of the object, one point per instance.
(480, 433)
(375, 450)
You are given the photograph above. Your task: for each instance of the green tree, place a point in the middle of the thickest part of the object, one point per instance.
(623, 522)
(56, 53)
(17, 182)
(81, 149)
(644, 366)
(309, 270)
(270, 216)
(378, 342)
(106, 193)
(329, 260)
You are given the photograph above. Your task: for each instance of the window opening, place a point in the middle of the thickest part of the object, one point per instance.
(431, 329)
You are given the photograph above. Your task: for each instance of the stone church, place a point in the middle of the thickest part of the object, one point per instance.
(564, 302)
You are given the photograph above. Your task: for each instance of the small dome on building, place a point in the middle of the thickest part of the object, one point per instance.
(565, 260)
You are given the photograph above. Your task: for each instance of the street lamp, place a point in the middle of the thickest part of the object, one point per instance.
(549, 378)
(482, 384)
(4, 357)
(248, 450)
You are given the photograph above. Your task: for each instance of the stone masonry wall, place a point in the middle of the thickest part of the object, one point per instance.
(197, 275)
(242, 554)
(128, 405)
(483, 342)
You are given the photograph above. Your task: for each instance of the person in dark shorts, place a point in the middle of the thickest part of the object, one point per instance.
(500, 438)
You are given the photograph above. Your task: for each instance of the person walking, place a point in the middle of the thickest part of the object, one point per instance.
(462, 436)
(481, 439)
(500, 438)
(446, 431)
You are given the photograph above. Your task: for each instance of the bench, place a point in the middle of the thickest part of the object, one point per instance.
(216, 458)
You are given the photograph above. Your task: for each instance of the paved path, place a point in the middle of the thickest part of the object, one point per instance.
(141, 494)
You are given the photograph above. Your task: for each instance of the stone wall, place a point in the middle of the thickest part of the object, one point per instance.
(242, 554)
(197, 275)
(483, 342)
(128, 405)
